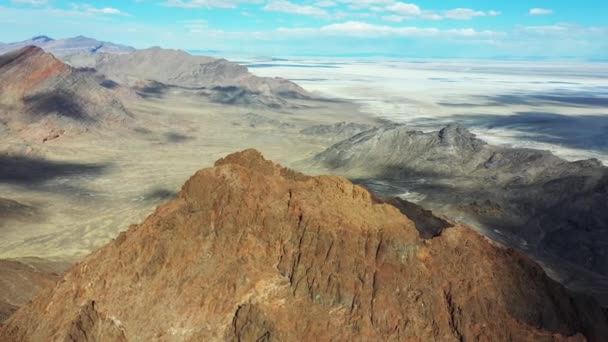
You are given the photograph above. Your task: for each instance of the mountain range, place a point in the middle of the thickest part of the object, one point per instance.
(156, 70)
(68, 46)
(514, 249)
(528, 199)
(45, 97)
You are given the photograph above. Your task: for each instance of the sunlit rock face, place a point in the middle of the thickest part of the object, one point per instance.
(253, 251)
(43, 98)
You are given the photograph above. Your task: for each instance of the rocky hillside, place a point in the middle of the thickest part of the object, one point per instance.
(220, 79)
(253, 251)
(338, 131)
(69, 46)
(20, 280)
(529, 199)
(46, 97)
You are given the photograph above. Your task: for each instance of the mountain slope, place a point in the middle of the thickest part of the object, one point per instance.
(20, 280)
(338, 131)
(253, 251)
(223, 80)
(68, 46)
(42, 93)
(529, 199)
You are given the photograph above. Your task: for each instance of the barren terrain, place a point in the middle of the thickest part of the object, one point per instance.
(76, 193)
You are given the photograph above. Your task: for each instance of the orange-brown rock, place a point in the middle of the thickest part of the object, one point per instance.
(21, 279)
(251, 251)
(44, 97)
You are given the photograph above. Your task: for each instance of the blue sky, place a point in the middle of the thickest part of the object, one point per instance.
(430, 28)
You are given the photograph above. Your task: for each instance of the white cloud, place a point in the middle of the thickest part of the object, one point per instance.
(289, 7)
(467, 13)
(405, 9)
(563, 30)
(394, 18)
(325, 3)
(402, 11)
(540, 11)
(394, 10)
(90, 9)
(206, 3)
(31, 2)
(359, 4)
(366, 30)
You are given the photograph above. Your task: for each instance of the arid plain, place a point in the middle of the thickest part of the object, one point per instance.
(92, 186)
(122, 166)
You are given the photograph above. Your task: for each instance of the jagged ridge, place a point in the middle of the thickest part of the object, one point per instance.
(545, 205)
(253, 251)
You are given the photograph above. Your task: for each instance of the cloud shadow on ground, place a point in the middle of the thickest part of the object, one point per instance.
(595, 97)
(36, 173)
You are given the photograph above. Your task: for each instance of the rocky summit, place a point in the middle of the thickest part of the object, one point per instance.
(251, 251)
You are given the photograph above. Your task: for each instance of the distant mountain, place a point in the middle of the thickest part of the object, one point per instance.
(530, 199)
(252, 251)
(68, 46)
(338, 131)
(46, 97)
(160, 69)
(157, 69)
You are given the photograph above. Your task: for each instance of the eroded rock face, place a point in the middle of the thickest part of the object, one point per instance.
(532, 200)
(253, 251)
(20, 280)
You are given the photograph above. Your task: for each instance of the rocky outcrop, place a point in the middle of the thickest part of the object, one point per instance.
(46, 97)
(21, 279)
(338, 131)
(253, 251)
(428, 224)
(529, 199)
(255, 120)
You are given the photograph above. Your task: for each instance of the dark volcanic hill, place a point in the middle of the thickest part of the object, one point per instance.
(68, 46)
(251, 251)
(553, 209)
(41, 94)
(157, 69)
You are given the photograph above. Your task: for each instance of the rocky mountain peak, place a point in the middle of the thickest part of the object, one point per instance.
(253, 251)
(26, 68)
(456, 135)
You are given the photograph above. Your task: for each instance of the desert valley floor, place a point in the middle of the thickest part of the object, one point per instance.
(81, 191)
(76, 193)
